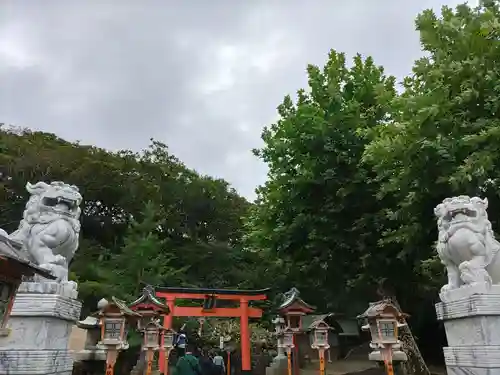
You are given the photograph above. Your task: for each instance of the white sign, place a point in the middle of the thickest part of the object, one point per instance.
(221, 343)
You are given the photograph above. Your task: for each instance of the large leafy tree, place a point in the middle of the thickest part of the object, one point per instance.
(442, 141)
(317, 210)
(145, 215)
(444, 134)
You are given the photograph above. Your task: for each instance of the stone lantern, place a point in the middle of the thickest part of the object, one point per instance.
(152, 331)
(115, 317)
(279, 327)
(320, 342)
(383, 320)
(150, 309)
(288, 344)
(293, 308)
(320, 336)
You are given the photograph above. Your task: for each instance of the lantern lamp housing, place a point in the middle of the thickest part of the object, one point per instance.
(320, 338)
(279, 325)
(383, 319)
(114, 318)
(288, 339)
(168, 339)
(114, 329)
(152, 333)
(387, 331)
(151, 337)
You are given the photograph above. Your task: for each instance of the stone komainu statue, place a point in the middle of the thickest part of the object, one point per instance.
(50, 226)
(466, 243)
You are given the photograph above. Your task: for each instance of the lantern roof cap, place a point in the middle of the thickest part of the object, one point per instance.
(154, 323)
(382, 309)
(320, 323)
(88, 322)
(116, 304)
(149, 300)
(12, 251)
(291, 298)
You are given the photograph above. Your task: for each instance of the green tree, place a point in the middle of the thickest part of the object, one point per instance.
(444, 134)
(317, 210)
(441, 141)
(192, 213)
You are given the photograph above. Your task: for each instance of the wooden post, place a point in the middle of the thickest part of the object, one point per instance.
(111, 356)
(109, 369)
(167, 356)
(387, 356)
(149, 359)
(246, 365)
(295, 358)
(289, 358)
(228, 366)
(167, 324)
(321, 361)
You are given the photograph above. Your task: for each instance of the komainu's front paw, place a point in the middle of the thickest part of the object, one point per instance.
(59, 259)
(446, 288)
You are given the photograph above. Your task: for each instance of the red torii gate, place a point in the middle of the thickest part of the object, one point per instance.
(209, 309)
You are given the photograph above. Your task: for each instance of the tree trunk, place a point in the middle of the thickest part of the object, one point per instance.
(415, 364)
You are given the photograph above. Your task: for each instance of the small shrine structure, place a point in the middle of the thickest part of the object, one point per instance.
(148, 306)
(293, 309)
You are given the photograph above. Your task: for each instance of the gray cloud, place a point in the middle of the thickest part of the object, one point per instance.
(202, 76)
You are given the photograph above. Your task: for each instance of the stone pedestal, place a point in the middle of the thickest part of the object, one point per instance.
(40, 327)
(472, 323)
(279, 366)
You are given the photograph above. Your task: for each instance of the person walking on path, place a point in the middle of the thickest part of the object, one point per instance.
(207, 365)
(188, 364)
(219, 363)
(181, 342)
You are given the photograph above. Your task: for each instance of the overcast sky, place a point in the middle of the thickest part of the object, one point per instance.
(203, 76)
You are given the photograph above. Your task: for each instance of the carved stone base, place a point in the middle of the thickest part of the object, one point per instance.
(466, 291)
(36, 362)
(472, 327)
(40, 327)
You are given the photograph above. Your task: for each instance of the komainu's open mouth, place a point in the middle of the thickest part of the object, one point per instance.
(460, 214)
(60, 202)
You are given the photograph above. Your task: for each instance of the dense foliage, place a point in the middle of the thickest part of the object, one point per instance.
(355, 170)
(146, 218)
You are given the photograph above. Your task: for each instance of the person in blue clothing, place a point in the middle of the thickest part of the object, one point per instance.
(181, 342)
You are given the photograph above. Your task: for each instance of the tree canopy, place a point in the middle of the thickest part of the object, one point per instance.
(356, 168)
(146, 217)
